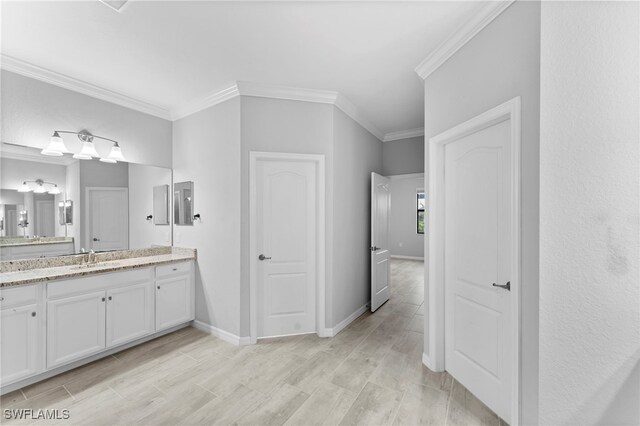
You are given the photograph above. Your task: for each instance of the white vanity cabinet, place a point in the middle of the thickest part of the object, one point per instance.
(58, 325)
(174, 295)
(21, 333)
(87, 315)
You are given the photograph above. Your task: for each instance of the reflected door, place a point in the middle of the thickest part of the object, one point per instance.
(107, 219)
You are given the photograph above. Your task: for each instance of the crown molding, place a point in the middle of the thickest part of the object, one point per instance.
(240, 88)
(27, 69)
(461, 37)
(259, 90)
(403, 134)
(287, 93)
(352, 111)
(204, 102)
(28, 153)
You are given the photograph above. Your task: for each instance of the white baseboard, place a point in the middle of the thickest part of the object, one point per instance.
(330, 332)
(395, 256)
(427, 361)
(221, 334)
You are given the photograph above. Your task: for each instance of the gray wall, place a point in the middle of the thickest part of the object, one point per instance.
(403, 156)
(32, 110)
(404, 237)
(500, 63)
(206, 150)
(274, 125)
(356, 154)
(590, 213)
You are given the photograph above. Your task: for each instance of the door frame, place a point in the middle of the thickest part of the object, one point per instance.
(318, 160)
(435, 321)
(87, 208)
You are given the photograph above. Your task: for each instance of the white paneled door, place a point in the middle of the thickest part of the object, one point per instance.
(107, 219)
(380, 253)
(286, 238)
(477, 264)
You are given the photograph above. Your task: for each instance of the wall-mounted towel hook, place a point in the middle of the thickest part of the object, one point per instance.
(149, 217)
(196, 216)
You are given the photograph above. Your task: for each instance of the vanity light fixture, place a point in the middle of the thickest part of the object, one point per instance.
(88, 151)
(40, 187)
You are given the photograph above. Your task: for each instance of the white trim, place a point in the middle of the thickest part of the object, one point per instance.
(397, 256)
(403, 134)
(509, 110)
(261, 90)
(207, 101)
(331, 332)
(348, 108)
(407, 176)
(318, 159)
(221, 334)
(29, 153)
(461, 37)
(271, 91)
(27, 69)
(240, 88)
(427, 361)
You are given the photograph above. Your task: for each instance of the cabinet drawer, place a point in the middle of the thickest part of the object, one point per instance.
(172, 269)
(23, 295)
(91, 283)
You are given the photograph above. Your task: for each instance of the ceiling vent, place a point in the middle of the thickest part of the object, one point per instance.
(115, 4)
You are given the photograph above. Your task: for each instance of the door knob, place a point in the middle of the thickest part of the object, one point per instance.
(374, 248)
(506, 286)
(263, 257)
(96, 239)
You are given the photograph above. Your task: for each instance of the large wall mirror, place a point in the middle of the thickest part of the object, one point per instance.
(51, 206)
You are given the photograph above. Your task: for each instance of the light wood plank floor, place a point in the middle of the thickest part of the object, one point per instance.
(371, 373)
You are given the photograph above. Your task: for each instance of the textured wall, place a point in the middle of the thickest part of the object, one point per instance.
(590, 213)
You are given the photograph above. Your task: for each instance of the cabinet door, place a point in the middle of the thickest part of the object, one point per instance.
(75, 327)
(20, 345)
(173, 301)
(129, 313)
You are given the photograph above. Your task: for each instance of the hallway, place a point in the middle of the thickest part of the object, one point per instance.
(370, 373)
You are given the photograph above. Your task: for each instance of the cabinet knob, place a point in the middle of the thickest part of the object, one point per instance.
(1, 299)
(158, 287)
(103, 299)
(33, 314)
(110, 297)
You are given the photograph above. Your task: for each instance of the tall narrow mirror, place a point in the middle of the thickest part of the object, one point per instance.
(161, 205)
(183, 203)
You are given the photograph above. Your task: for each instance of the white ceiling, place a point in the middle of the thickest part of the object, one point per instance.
(168, 53)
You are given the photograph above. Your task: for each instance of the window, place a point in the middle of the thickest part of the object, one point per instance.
(420, 212)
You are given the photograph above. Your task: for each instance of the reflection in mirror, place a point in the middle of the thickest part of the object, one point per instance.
(96, 206)
(161, 205)
(183, 203)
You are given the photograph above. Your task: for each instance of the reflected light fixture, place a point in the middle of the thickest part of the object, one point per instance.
(88, 151)
(40, 187)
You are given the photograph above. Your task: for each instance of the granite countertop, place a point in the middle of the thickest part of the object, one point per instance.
(31, 242)
(14, 273)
